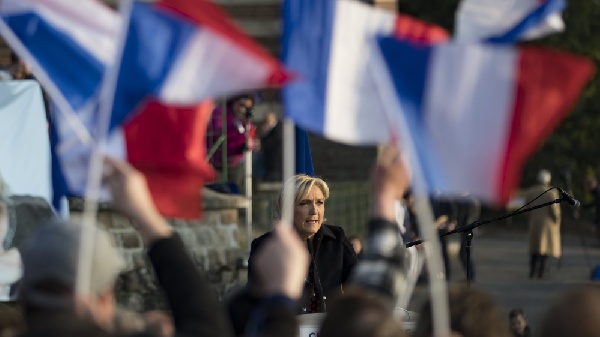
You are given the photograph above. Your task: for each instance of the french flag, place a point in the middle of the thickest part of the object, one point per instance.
(71, 46)
(180, 52)
(330, 45)
(508, 21)
(474, 113)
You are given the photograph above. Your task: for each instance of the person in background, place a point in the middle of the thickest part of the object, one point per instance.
(366, 309)
(518, 323)
(240, 136)
(467, 210)
(271, 140)
(19, 70)
(544, 225)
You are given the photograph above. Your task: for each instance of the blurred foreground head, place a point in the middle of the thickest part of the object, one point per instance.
(50, 264)
(361, 313)
(576, 313)
(473, 313)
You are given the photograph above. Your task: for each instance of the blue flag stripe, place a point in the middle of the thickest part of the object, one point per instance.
(307, 34)
(145, 63)
(74, 71)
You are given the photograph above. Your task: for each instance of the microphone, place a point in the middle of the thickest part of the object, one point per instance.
(572, 201)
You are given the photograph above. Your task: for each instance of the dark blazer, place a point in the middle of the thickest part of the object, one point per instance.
(333, 257)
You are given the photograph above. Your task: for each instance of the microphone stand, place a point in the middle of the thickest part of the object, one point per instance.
(468, 229)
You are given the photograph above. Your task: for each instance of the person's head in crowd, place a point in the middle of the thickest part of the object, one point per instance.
(19, 69)
(473, 313)
(544, 177)
(575, 313)
(11, 320)
(241, 106)
(309, 204)
(356, 243)
(518, 322)
(361, 313)
(50, 264)
(590, 183)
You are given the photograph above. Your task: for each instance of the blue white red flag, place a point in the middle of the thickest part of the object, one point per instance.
(508, 21)
(474, 113)
(188, 44)
(197, 53)
(67, 48)
(331, 45)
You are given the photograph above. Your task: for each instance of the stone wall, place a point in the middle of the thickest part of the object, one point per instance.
(217, 246)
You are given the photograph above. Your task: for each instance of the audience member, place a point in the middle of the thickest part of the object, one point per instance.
(281, 264)
(473, 313)
(11, 320)
(271, 140)
(518, 323)
(574, 314)
(47, 290)
(366, 309)
(360, 313)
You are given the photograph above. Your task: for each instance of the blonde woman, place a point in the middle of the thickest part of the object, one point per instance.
(331, 254)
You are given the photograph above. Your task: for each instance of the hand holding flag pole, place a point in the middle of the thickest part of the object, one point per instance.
(437, 285)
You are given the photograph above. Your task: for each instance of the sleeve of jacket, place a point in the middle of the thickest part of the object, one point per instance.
(194, 304)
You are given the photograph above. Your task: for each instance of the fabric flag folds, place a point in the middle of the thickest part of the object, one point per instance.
(476, 112)
(508, 21)
(331, 45)
(67, 48)
(196, 54)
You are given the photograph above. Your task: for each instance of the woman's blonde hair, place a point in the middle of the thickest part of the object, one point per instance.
(302, 185)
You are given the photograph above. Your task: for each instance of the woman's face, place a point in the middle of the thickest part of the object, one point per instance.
(309, 213)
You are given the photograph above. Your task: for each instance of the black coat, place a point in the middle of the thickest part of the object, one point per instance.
(333, 258)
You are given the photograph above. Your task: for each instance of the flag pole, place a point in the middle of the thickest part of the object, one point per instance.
(437, 280)
(94, 177)
(248, 192)
(289, 165)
